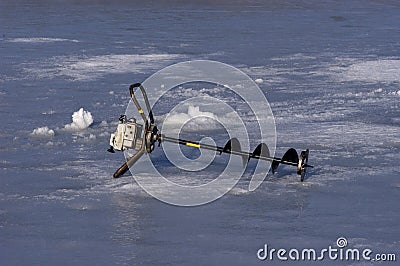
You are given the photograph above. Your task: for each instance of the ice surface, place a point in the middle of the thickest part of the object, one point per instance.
(374, 71)
(93, 67)
(333, 85)
(39, 40)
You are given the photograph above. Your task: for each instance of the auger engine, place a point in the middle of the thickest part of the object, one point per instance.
(127, 135)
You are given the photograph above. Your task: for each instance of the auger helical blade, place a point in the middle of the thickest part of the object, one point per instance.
(302, 165)
(290, 156)
(233, 146)
(261, 151)
(229, 145)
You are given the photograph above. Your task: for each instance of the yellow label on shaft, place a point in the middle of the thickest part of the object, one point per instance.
(140, 111)
(192, 145)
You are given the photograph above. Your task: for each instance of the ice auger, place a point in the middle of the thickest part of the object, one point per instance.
(142, 138)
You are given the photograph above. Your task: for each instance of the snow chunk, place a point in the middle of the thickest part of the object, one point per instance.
(81, 119)
(43, 132)
(395, 93)
(259, 81)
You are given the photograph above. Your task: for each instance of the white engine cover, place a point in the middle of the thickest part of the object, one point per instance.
(127, 136)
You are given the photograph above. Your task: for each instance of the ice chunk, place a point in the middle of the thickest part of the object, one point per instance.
(195, 119)
(81, 119)
(193, 112)
(259, 81)
(43, 132)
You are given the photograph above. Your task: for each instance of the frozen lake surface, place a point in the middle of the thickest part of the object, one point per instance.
(330, 70)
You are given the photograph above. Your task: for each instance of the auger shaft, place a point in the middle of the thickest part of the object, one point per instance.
(219, 149)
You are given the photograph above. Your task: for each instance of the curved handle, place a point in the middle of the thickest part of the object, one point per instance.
(146, 100)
